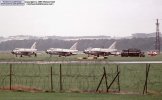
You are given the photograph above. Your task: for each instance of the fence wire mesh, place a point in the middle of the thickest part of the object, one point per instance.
(80, 77)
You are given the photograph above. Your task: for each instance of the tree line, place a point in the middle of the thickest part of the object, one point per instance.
(144, 44)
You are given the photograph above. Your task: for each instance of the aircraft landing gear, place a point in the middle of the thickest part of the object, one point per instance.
(35, 55)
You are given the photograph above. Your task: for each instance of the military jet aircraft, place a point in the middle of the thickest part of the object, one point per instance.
(25, 51)
(101, 51)
(63, 52)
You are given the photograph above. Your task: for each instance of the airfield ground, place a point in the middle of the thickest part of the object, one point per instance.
(132, 76)
(6, 56)
(9, 95)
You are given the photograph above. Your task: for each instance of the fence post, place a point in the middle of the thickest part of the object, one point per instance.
(118, 78)
(10, 76)
(106, 79)
(51, 80)
(100, 82)
(104, 75)
(113, 80)
(60, 78)
(147, 72)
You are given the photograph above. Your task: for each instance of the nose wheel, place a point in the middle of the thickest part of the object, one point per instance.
(35, 55)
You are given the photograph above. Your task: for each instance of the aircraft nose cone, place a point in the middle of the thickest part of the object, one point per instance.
(85, 51)
(47, 52)
(12, 52)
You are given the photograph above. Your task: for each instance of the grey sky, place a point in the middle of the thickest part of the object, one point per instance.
(82, 17)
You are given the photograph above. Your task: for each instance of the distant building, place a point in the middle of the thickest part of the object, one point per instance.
(144, 35)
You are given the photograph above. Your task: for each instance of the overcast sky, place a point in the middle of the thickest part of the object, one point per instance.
(82, 18)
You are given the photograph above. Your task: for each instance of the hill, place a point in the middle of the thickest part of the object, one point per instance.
(43, 44)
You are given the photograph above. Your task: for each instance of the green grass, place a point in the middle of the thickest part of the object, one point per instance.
(80, 77)
(6, 95)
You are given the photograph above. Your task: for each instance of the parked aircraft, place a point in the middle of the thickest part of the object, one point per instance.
(102, 51)
(63, 52)
(152, 52)
(25, 51)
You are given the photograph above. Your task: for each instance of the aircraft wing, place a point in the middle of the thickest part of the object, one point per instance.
(26, 53)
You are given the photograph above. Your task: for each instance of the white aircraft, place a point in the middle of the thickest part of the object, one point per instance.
(152, 52)
(102, 51)
(63, 52)
(25, 51)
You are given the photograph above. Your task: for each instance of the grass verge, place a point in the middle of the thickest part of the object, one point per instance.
(9, 95)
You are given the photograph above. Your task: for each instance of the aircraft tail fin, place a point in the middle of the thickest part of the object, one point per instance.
(113, 46)
(33, 46)
(74, 46)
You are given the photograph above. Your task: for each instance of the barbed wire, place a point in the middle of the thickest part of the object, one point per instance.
(80, 77)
